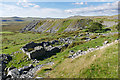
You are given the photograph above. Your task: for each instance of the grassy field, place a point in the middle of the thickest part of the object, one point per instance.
(13, 26)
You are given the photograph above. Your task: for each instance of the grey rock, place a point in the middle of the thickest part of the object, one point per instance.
(105, 42)
(109, 23)
(55, 56)
(54, 41)
(71, 52)
(75, 36)
(20, 69)
(46, 44)
(24, 72)
(14, 73)
(26, 68)
(10, 68)
(79, 50)
(31, 66)
(38, 77)
(97, 46)
(30, 73)
(70, 56)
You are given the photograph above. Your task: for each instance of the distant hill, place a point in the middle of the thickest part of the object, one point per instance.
(72, 23)
(36, 24)
(15, 17)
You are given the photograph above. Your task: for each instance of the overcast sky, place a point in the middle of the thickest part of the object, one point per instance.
(60, 9)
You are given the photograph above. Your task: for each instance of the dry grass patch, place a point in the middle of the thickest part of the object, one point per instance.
(94, 64)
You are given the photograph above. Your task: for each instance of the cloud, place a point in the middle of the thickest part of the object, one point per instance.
(80, 3)
(60, 0)
(25, 3)
(34, 10)
(14, 10)
(36, 6)
(107, 9)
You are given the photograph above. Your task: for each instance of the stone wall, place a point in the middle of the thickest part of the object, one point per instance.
(36, 54)
(45, 50)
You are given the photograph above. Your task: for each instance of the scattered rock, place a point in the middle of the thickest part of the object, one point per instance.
(38, 77)
(54, 41)
(14, 73)
(26, 68)
(71, 52)
(31, 66)
(75, 36)
(79, 50)
(97, 46)
(25, 72)
(105, 42)
(10, 68)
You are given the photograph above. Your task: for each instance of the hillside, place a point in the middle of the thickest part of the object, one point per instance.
(53, 25)
(69, 24)
(101, 63)
(60, 48)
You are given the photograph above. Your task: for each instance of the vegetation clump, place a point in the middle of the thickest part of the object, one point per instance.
(93, 37)
(76, 43)
(118, 27)
(95, 27)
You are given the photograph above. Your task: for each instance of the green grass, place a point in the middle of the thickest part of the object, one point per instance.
(51, 26)
(17, 58)
(104, 65)
(65, 24)
(5, 32)
(16, 40)
(59, 24)
(39, 24)
(14, 26)
(113, 28)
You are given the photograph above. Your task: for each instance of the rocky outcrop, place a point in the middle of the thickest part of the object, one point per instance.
(4, 59)
(64, 25)
(26, 71)
(31, 72)
(14, 73)
(53, 26)
(30, 26)
(109, 23)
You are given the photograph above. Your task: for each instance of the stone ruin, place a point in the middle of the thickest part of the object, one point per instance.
(41, 50)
